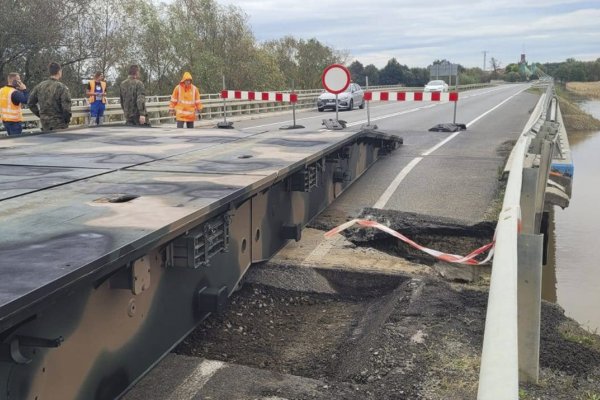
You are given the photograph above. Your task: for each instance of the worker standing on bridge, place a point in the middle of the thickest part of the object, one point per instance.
(12, 96)
(50, 101)
(133, 98)
(97, 99)
(185, 101)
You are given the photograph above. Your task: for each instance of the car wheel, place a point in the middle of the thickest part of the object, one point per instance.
(351, 105)
(362, 105)
(320, 109)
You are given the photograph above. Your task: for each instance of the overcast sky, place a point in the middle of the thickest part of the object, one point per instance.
(418, 32)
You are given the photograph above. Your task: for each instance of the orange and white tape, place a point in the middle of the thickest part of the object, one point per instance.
(451, 258)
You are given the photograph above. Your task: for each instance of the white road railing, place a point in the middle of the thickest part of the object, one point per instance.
(512, 328)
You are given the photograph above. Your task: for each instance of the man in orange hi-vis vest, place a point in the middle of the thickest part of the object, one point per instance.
(185, 101)
(11, 97)
(97, 98)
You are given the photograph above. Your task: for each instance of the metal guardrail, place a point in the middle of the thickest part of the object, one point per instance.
(512, 328)
(158, 106)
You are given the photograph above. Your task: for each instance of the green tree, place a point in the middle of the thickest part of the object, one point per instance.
(357, 72)
(372, 72)
(392, 73)
(513, 77)
(418, 77)
(313, 57)
(285, 52)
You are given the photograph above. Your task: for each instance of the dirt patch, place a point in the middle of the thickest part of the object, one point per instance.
(418, 339)
(569, 360)
(382, 344)
(443, 234)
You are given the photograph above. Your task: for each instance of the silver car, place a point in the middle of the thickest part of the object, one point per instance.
(352, 97)
(436, 86)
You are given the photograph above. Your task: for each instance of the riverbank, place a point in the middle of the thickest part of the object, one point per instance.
(574, 117)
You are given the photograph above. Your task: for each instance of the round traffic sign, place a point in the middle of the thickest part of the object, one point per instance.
(335, 78)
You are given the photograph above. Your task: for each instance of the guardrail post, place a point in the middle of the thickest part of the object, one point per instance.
(530, 252)
(546, 153)
(528, 199)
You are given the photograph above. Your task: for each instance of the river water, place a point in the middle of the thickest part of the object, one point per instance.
(572, 275)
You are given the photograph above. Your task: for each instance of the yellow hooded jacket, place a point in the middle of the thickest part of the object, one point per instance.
(185, 100)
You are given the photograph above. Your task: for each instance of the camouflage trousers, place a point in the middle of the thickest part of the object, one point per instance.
(135, 120)
(52, 124)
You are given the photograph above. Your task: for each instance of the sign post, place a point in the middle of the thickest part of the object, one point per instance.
(293, 126)
(368, 110)
(336, 79)
(224, 124)
(446, 69)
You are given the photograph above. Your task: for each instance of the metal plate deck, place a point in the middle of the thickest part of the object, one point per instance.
(58, 226)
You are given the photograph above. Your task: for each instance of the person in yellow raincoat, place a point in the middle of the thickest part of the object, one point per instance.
(185, 102)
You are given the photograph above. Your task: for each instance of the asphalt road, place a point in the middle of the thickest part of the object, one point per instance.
(433, 173)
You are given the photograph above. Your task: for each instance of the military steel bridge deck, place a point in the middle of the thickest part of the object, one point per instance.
(116, 242)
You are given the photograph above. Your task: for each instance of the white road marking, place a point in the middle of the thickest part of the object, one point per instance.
(197, 379)
(307, 118)
(385, 116)
(493, 108)
(321, 250)
(387, 194)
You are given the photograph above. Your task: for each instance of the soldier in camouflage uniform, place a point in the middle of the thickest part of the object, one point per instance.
(133, 98)
(50, 101)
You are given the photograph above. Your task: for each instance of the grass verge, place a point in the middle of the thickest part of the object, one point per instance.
(575, 119)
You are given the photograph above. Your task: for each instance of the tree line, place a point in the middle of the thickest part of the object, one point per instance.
(394, 73)
(572, 70)
(200, 36)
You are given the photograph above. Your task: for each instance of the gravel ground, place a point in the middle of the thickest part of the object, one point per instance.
(418, 340)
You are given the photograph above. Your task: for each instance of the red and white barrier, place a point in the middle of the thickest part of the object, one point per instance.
(451, 258)
(262, 96)
(412, 96)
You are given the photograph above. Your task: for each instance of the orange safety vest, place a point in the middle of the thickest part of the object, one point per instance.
(91, 99)
(185, 103)
(8, 111)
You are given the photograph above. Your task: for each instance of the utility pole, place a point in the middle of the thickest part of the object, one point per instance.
(484, 58)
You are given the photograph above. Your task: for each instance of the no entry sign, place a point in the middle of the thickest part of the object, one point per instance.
(335, 78)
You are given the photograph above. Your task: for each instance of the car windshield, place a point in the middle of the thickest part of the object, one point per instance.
(436, 83)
